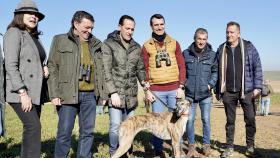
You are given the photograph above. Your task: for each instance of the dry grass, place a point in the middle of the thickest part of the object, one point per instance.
(267, 136)
(276, 86)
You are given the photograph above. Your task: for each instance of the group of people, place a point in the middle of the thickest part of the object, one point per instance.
(81, 71)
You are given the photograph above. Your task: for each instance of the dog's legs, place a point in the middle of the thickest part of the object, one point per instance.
(124, 144)
(176, 149)
(176, 144)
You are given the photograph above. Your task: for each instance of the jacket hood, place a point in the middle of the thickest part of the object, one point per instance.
(115, 36)
(208, 47)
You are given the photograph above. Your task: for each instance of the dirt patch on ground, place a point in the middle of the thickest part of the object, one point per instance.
(267, 138)
(276, 86)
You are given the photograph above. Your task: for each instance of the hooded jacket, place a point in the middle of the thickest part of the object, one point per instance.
(201, 72)
(253, 74)
(122, 67)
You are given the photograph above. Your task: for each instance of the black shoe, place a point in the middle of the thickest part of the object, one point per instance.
(250, 151)
(227, 153)
(159, 154)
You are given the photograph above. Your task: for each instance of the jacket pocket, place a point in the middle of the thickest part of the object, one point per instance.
(67, 55)
(190, 64)
(206, 66)
(64, 74)
(65, 46)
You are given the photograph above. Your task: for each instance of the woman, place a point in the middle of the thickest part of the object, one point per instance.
(24, 58)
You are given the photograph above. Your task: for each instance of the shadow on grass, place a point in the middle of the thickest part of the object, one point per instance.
(9, 151)
(144, 138)
(274, 113)
(142, 147)
(260, 152)
(218, 106)
(48, 146)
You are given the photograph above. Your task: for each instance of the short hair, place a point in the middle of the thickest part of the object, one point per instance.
(231, 23)
(157, 16)
(18, 23)
(200, 31)
(79, 16)
(122, 18)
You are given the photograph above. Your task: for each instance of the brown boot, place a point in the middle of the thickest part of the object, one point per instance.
(206, 149)
(192, 152)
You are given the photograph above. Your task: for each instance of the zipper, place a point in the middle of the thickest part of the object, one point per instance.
(196, 89)
(78, 62)
(233, 64)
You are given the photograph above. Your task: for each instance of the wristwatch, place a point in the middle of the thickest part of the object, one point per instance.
(21, 91)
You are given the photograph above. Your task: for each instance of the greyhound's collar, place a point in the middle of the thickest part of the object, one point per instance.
(184, 115)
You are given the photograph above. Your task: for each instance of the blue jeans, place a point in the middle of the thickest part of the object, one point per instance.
(67, 114)
(168, 97)
(205, 108)
(117, 115)
(265, 106)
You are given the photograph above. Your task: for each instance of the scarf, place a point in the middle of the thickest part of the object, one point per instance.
(223, 63)
(159, 38)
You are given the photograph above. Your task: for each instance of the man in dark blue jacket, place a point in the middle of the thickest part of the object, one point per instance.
(202, 71)
(240, 79)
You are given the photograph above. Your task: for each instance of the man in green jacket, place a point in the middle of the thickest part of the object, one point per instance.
(123, 64)
(75, 68)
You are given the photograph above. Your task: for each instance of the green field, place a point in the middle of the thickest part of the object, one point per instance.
(10, 145)
(272, 75)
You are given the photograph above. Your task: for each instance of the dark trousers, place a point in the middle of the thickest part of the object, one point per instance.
(86, 110)
(230, 100)
(31, 136)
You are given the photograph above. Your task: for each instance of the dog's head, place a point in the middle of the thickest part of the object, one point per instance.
(182, 107)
